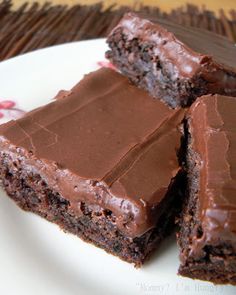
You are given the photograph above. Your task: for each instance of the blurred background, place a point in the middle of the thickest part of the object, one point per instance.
(29, 25)
(166, 5)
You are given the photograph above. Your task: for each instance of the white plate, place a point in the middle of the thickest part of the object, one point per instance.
(36, 257)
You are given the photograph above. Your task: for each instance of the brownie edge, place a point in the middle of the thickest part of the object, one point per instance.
(173, 63)
(207, 236)
(91, 223)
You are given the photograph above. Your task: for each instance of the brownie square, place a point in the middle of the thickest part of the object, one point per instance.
(174, 63)
(101, 161)
(207, 236)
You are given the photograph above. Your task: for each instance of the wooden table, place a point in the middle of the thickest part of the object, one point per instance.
(26, 27)
(165, 5)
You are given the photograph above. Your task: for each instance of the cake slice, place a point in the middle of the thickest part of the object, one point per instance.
(172, 62)
(101, 162)
(207, 237)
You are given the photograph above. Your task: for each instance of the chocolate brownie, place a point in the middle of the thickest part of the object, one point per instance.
(101, 162)
(207, 238)
(172, 62)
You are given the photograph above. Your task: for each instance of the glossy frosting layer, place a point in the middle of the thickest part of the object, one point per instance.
(212, 126)
(187, 51)
(105, 142)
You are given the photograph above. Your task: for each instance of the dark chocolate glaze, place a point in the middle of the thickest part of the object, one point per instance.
(212, 125)
(105, 142)
(188, 52)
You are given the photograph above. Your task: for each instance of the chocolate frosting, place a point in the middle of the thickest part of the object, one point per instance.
(105, 142)
(187, 51)
(212, 126)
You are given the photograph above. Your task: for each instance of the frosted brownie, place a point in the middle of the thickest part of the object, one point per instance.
(172, 62)
(101, 162)
(207, 237)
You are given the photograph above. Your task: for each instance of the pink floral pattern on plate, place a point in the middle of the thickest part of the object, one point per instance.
(106, 64)
(9, 110)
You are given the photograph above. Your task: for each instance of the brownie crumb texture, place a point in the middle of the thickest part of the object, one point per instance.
(216, 263)
(94, 224)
